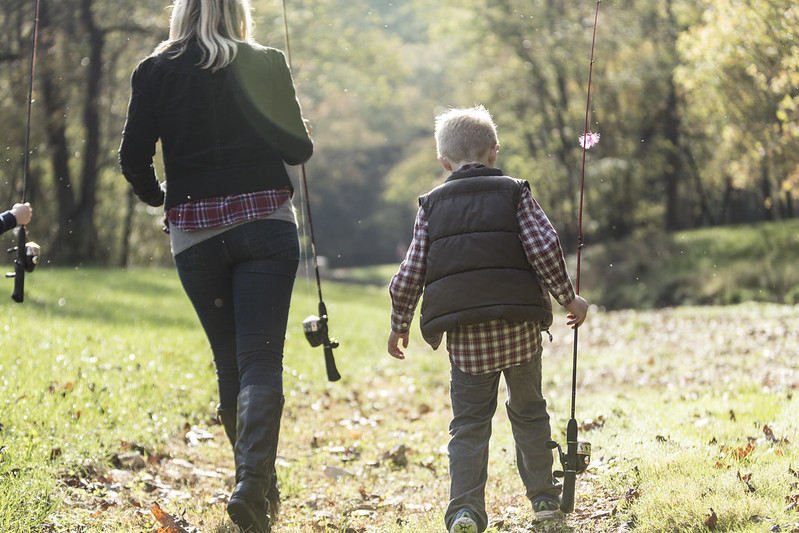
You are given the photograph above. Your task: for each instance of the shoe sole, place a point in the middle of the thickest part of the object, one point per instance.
(545, 516)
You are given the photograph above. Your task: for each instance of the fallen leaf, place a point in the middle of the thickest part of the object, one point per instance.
(589, 425)
(745, 480)
(129, 461)
(169, 523)
(738, 452)
(397, 455)
(631, 494)
(711, 519)
(769, 433)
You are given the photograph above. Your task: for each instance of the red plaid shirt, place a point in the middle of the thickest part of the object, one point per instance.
(226, 210)
(498, 344)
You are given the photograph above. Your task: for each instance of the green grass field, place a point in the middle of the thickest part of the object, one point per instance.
(107, 394)
(713, 266)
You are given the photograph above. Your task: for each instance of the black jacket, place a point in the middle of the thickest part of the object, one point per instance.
(224, 132)
(477, 270)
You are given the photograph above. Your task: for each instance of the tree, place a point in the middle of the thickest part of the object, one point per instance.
(696, 102)
(739, 71)
(73, 147)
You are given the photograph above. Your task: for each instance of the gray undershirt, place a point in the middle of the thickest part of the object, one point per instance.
(181, 240)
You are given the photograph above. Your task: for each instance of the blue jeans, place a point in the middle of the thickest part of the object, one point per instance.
(474, 402)
(240, 284)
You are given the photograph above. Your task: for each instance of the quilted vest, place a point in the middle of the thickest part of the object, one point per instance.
(477, 269)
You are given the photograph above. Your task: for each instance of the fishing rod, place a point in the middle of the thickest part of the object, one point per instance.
(26, 253)
(578, 452)
(315, 327)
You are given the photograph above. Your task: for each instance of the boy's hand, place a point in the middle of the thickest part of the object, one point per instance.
(577, 309)
(394, 339)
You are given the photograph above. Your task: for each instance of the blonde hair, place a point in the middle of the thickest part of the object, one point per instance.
(465, 134)
(218, 25)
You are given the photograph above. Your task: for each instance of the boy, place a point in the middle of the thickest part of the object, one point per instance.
(475, 239)
(19, 214)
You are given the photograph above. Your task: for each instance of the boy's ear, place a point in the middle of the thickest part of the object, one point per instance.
(445, 163)
(492, 155)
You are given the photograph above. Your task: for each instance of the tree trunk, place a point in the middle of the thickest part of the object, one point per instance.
(765, 190)
(91, 123)
(671, 174)
(75, 199)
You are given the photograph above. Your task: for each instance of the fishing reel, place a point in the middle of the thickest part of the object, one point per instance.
(315, 328)
(583, 457)
(28, 260)
(26, 257)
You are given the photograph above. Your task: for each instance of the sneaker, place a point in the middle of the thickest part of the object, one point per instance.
(463, 523)
(546, 507)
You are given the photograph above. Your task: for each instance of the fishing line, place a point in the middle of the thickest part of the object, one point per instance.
(315, 327)
(586, 143)
(32, 72)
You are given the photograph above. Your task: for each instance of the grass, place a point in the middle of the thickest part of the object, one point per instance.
(714, 266)
(107, 393)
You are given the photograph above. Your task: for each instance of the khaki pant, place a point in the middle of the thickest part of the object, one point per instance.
(474, 402)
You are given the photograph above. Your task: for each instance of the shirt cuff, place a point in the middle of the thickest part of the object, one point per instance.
(400, 324)
(565, 297)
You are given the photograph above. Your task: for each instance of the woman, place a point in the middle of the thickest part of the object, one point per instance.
(226, 113)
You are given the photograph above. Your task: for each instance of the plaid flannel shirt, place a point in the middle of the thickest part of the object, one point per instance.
(498, 344)
(226, 210)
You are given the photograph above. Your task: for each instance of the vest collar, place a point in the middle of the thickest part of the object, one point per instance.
(469, 171)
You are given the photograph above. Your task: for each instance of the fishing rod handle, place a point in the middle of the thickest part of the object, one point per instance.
(19, 265)
(570, 469)
(330, 364)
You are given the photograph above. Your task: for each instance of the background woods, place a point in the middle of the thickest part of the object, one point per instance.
(697, 102)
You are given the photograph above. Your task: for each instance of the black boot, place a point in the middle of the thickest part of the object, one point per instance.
(259, 411)
(227, 417)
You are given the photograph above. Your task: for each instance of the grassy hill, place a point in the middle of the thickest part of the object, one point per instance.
(723, 265)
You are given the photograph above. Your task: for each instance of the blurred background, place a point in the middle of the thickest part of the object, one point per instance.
(697, 103)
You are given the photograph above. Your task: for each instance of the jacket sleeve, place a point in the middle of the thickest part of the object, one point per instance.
(7, 221)
(139, 138)
(285, 114)
(294, 142)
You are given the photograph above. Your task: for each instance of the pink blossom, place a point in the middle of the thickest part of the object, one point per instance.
(587, 140)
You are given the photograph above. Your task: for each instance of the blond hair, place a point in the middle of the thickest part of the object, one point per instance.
(465, 134)
(218, 25)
